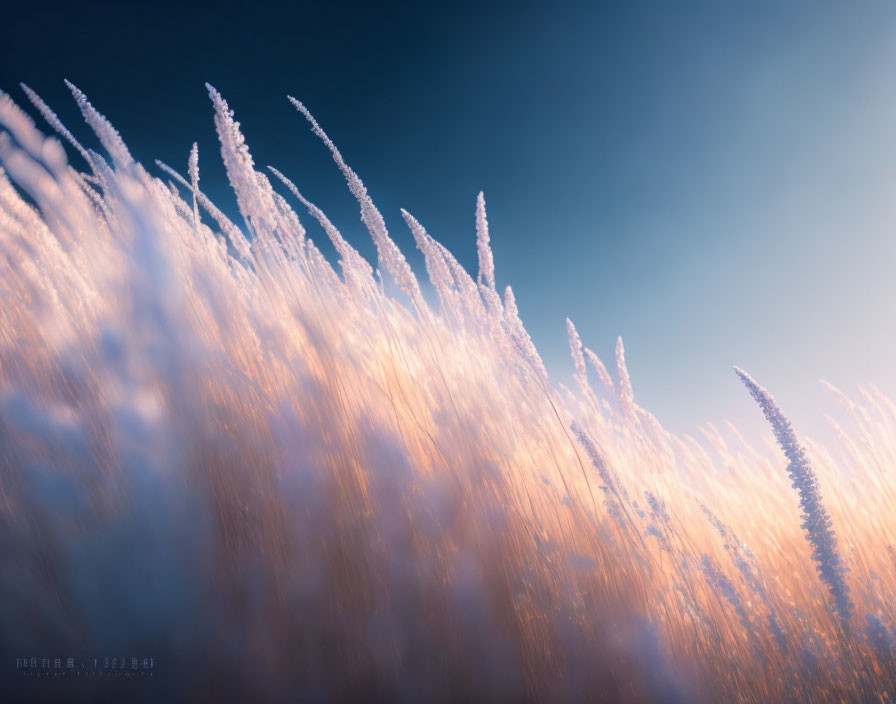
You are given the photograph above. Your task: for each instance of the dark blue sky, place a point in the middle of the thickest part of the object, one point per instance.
(713, 181)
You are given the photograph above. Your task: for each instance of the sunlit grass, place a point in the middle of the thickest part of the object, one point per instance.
(213, 442)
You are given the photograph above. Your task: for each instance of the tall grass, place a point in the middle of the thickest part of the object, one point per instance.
(286, 481)
(816, 519)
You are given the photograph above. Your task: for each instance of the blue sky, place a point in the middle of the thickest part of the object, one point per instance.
(713, 181)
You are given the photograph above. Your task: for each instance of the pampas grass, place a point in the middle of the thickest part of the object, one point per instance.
(289, 482)
(816, 519)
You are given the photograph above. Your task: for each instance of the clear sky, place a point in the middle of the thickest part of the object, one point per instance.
(714, 181)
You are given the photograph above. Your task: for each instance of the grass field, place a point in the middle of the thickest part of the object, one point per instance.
(287, 480)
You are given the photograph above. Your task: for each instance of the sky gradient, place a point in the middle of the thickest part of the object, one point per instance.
(715, 184)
